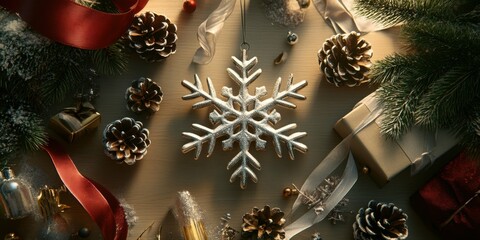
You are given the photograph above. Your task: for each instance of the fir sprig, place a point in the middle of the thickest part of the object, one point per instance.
(36, 72)
(111, 60)
(392, 12)
(20, 130)
(436, 83)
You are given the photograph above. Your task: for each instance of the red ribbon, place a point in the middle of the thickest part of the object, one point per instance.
(75, 25)
(99, 203)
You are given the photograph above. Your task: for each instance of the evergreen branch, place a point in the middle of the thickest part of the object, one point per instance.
(467, 129)
(392, 12)
(389, 69)
(401, 98)
(454, 39)
(111, 60)
(20, 130)
(449, 96)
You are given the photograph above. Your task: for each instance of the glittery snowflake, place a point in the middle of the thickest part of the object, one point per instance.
(244, 118)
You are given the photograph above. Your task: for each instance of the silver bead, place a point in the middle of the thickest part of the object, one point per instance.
(303, 3)
(292, 38)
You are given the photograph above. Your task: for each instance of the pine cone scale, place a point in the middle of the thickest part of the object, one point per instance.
(345, 59)
(144, 95)
(264, 224)
(153, 36)
(126, 140)
(380, 221)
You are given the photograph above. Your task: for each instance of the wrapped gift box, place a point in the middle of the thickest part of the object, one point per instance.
(451, 200)
(382, 158)
(74, 122)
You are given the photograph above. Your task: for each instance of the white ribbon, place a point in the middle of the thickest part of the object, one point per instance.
(325, 168)
(341, 15)
(427, 157)
(209, 29)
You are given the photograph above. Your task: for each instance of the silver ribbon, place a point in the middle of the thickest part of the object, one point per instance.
(341, 15)
(350, 175)
(325, 168)
(209, 29)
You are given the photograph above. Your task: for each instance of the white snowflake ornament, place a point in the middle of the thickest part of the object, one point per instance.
(244, 118)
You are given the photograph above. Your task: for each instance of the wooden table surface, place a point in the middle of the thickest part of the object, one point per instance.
(150, 186)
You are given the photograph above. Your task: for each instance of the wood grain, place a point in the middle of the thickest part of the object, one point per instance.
(151, 185)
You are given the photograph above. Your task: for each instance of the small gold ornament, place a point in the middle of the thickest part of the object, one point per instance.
(288, 191)
(12, 236)
(365, 170)
(49, 201)
(303, 3)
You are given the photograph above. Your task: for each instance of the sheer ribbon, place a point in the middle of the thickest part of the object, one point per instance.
(333, 160)
(340, 14)
(323, 170)
(209, 30)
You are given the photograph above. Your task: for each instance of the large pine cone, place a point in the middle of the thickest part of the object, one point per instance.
(380, 221)
(345, 59)
(144, 95)
(265, 224)
(153, 36)
(126, 140)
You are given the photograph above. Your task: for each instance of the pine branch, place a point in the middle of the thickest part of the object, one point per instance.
(111, 60)
(467, 129)
(449, 96)
(390, 69)
(401, 98)
(454, 39)
(20, 130)
(392, 12)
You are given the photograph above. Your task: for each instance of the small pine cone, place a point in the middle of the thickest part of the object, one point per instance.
(126, 140)
(144, 95)
(345, 59)
(153, 36)
(380, 221)
(265, 224)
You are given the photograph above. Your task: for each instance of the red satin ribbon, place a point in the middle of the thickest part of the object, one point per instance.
(99, 203)
(75, 25)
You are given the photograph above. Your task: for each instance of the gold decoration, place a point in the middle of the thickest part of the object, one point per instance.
(49, 201)
(12, 236)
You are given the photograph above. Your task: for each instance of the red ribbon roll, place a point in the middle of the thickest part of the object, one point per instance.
(99, 203)
(75, 25)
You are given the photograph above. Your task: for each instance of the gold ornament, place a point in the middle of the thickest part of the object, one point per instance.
(49, 201)
(12, 236)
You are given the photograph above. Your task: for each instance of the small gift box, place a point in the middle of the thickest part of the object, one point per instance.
(382, 158)
(451, 200)
(73, 122)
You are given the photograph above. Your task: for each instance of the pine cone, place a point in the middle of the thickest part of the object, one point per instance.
(380, 221)
(345, 59)
(153, 36)
(144, 95)
(265, 224)
(126, 140)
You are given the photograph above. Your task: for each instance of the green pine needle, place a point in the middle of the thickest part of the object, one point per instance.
(437, 83)
(392, 12)
(111, 60)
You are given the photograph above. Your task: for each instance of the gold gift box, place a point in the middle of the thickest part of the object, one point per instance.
(71, 126)
(382, 158)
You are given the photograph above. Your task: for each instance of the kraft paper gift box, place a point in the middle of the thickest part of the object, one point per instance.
(73, 122)
(383, 158)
